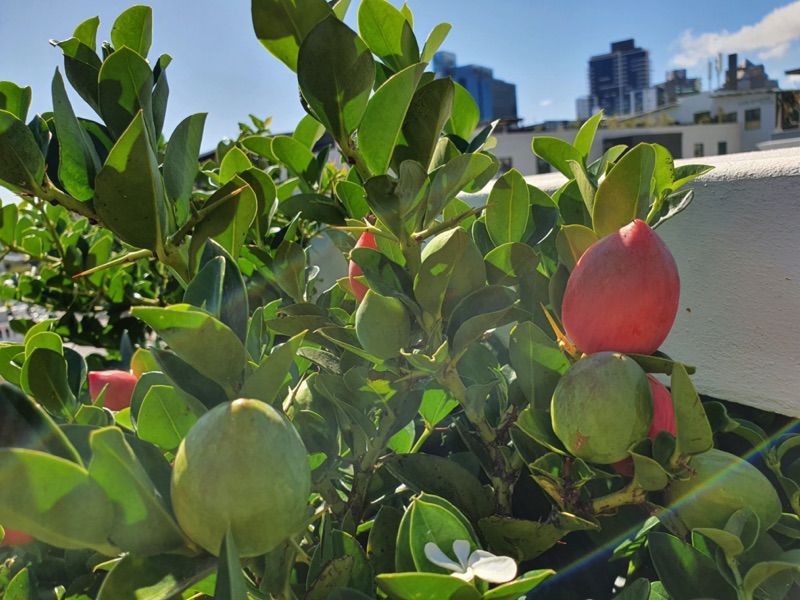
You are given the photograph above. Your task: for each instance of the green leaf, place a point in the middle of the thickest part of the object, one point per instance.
(313, 207)
(54, 500)
(424, 586)
(21, 161)
(557, 152)
(436, 404)
(520, 586)
(82, 67)
(142, 522)
(636, 590)
(537, 361)
(693, 430)
(8, 224)
(684, 571)
(685, 173)
(336, 73)
(624, 195)
(231, 584)
(164, 418)
(44, 339)
(433, 278)
(572, 241)
(190, 380)
(674, 203)
(388, 34)
(125, 85)
(180, 163)
(762, 571)
(282, 25)
(385, 113)
(435, 40)
(451, 179)
(442, 477)
(308, 131)
(509, 263)
(78, 163)
(199, 339)
(434, 519)
(648, 473)
(664, 171)
(15, 99)
(478, 312)
(585, 185)
(234, 162)
(44, 376)
(381, 545)
(129, 191)
(730, 544)
(228, 224)
(268, 380)
(521, 540)
(22, 586)
(160, 93)
(298, 158)
(508, 208)
(585, 136)
(86, 32)
(289, 268)
(536, 424)
(466, 115)
(155, 578)
(134, 29)
(430, 109)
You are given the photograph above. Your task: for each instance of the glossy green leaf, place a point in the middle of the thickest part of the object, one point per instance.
(129, 191)
(86, 32)
(282, 25)
(155, 578)
(22, 586)
(664, 171)
(479, 311)
(693, 430)
(21, 161)
(164, 418)
(268, 380)
(125, 85)
(15, 99)
(572, 241)
(585, 136)
(44, 376)
(537, 361)
(536, 424)
(228, 224)
(386, 111)
(352, 196)
(466, 115)
(313, 207)
(190, 380)
(585, 185)
(685, 173)
(82, 67)
(521, 540)
(424, 586)
(12, 357)
(451, 179)
(289, 267)
(180, 163)
(648, 473)
(199, 339)
(44, 339)
(388, 34)
(433, 278)
(134, 29)
(427, 114)
(336, 73)
(508, 208)
(235, 162)
(557, 152)
(442, 477)
(142, 522)
(298, 159)
(509, 263)
(230, 584)
(8, 224)
(434, 519)
(435, 39)
(673, 204)
(520, 586)
(762, 571)
(160, 93)
(636, 590)
(78, 161)
(308, 131)
(624, 195)
(54, 500)
(436, 404)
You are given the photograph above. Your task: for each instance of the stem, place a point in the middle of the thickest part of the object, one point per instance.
(444, 226)
(197, 216)
(51, 193)
(48, 224)
(424, 436)
(131, 257)
(630, 494)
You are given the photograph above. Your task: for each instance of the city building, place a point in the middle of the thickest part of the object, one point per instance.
(617, 80)
(496, 99)
(746, 76)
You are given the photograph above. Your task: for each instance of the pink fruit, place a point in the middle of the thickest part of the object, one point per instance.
(16, 538)
(367, 240)
(119, 391)
(663, 420)
(623, 294)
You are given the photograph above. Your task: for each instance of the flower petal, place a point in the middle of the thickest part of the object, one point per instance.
(434, 554)
(467, 575)
(491, 568)
(461, 549)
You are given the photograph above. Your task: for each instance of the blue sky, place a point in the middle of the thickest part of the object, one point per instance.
(543, 47)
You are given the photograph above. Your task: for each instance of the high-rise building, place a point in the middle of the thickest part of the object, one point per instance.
(618, 79)
(495, 99)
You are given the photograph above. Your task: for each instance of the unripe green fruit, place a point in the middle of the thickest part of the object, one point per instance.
(601, 406)
(722, 484)
(242, 466)
(382, 325)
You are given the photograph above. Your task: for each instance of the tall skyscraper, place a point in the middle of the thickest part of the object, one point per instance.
(617, 79)
(496, 99)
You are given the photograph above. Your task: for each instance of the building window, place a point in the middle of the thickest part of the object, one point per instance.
(731, 117)
(698, 150)
(702, 118)
(506, 163)
(722, 147)
(542, 166)
(752, 119)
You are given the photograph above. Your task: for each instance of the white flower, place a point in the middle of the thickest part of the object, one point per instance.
(481, 564)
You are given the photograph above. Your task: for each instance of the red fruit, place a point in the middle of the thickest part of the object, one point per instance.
(367, 240)
(663, 420)
(16, 538)
(119, 391)
(623, 294)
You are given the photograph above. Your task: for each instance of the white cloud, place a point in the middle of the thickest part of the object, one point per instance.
(769, 38)
(546, 102)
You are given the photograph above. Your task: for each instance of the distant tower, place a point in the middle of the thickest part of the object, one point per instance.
(616, 78)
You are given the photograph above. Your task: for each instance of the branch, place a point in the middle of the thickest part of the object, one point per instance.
(445, 225)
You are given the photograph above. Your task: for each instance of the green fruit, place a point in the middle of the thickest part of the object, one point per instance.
(242, 466)
(382, 325)
(722, 484)
(601, 406)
